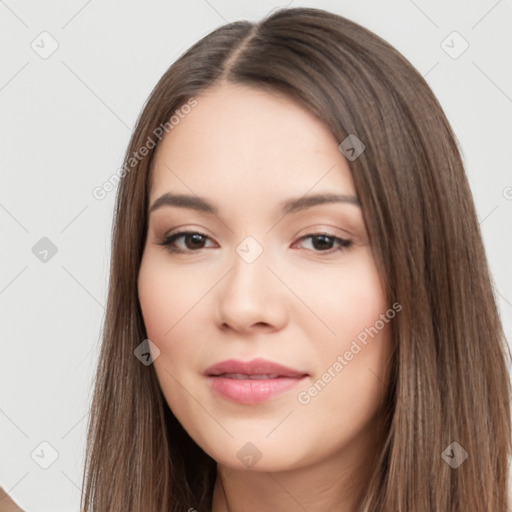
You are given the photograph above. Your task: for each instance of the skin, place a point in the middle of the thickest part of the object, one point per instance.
(246, 150)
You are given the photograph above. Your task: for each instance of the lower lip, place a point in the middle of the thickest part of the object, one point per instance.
(252, 391)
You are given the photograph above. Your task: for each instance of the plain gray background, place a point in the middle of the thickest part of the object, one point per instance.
(67, 117)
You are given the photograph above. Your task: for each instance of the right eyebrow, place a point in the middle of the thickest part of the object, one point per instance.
(184, 201)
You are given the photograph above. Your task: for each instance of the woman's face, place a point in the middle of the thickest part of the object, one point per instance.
(295, 286)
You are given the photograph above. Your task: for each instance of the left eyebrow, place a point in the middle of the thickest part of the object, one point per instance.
(308, 201)
(289, 206)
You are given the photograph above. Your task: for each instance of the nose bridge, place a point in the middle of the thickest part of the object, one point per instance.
(249, 266)
(249, 250)
(248, 297)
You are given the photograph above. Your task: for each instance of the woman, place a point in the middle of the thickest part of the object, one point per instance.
(245, 364)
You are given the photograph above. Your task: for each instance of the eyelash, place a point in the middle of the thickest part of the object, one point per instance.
(167, 242)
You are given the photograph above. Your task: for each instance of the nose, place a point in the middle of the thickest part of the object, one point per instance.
(251, 297)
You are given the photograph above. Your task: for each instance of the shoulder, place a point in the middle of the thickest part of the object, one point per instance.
(7, 504)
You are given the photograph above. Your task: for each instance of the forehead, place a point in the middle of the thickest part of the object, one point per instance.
(246, 143)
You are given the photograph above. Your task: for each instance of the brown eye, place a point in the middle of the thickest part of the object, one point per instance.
(323, 242)
(193, 241)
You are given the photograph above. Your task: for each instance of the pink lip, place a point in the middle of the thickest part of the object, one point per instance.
(255, 367)
(251, 391)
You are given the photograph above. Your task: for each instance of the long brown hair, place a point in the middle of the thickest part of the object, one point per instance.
(450, 381)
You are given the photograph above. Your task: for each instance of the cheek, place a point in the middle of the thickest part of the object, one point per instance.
(347, 299)
(156, 299)
(165, 295)
(354, 397)
(352, 359)
(170, 300)
(164, 301)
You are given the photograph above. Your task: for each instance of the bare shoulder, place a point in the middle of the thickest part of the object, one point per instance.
(7, 504)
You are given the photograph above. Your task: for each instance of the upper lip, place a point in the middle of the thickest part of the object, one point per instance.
(255, 367)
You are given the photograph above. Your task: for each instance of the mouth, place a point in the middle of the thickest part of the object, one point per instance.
(258, 368)
(240, 376)
(252, 382)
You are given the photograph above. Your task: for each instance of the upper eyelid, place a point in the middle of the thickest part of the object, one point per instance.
(311, 232)
(331, 231)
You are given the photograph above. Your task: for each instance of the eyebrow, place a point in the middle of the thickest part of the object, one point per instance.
(289, 206)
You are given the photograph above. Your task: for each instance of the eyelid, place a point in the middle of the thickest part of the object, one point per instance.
(328, 230)
(313, 229)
